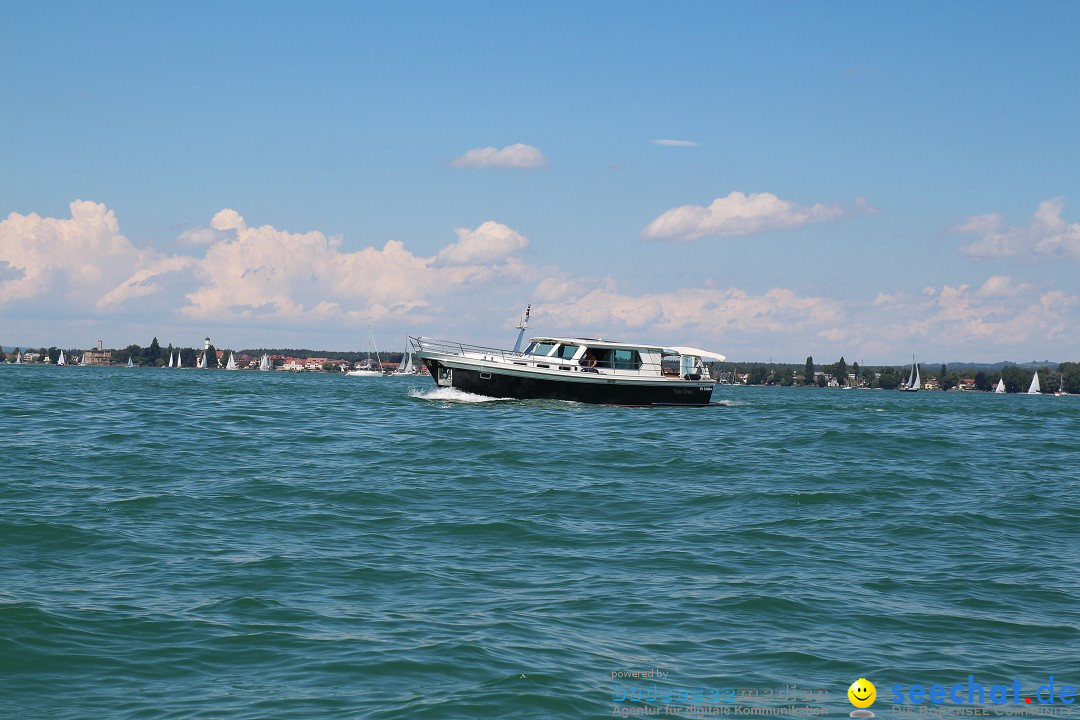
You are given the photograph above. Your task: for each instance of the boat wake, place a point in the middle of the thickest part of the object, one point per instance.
(445, 394)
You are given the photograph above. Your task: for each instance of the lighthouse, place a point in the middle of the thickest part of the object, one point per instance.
(206, 344)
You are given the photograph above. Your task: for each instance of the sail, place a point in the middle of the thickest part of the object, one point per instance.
(1000, 388)
(202, 363)
(916, 383)
(179, 360)
(405, 367)
(83, 361)
(18, 358)
(130, 364)
(378, 359)
(264, 364)
(232, 362)
(61, 360)
(1033, 389)
(170, 360)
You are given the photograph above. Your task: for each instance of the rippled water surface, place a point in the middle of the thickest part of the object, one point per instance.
(198, 544)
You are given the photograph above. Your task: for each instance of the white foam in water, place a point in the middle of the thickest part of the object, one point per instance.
(452, 395)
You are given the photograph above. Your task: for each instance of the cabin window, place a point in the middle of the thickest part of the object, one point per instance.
(540, 348)
(627, 360)
(566, 351)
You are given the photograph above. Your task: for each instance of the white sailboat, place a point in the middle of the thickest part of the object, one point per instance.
(367, 370)
(82, 361)
(1034, 389)
(231, 365)
(18, 358)
(170, 360)
(406, 367)
(264, 364)
(179, 360)
(914, 383)
(1061, 385)
(202, 363)
(999, 389)
(61, 360)
(130, 364)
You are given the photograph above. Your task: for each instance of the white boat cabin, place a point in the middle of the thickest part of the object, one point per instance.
(604, 357)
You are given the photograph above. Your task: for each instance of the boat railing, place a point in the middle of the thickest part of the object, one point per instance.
(448, 346)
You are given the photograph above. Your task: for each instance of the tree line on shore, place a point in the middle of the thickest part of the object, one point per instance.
(887, 377)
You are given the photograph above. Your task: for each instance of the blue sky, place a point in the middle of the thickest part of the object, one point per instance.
(866, 180)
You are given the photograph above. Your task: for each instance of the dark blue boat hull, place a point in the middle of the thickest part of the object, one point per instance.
(607, 392)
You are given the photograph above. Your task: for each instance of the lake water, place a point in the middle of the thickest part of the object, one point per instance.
(201, 544)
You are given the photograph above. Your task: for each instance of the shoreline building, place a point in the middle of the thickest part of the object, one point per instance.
(99, 356)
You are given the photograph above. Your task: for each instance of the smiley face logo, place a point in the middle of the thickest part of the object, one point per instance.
(862, 693)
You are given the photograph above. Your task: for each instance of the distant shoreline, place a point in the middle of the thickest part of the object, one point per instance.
(1056, 378)
(349, 354)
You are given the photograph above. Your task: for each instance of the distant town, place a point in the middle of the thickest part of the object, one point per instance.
(1053, 377)
(1004, 377)
(156, 355)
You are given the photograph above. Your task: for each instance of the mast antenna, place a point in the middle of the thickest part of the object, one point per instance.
(524, 323)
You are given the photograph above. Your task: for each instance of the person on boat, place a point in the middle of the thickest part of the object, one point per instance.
(588, 362)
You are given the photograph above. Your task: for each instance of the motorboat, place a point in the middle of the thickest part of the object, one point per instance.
(576, 369)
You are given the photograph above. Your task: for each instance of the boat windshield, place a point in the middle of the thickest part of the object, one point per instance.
(539, 348)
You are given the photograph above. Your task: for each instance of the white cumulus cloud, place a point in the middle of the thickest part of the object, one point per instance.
(65, 261)
(83, 265)
(1046, 236)
(741, 214)
(488, 244)
(264, 272)
(511, 156)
